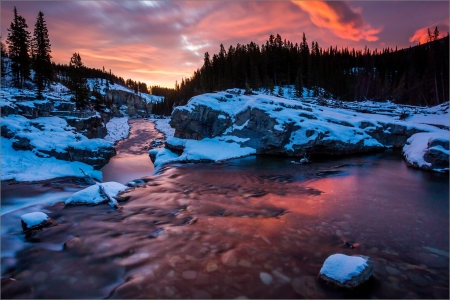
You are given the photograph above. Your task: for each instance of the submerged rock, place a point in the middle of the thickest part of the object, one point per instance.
(36, 220)
(346, 271)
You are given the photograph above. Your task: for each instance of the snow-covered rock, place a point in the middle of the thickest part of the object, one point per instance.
(91, 127)
(118, 129)
(293, 127)
(27, 166)
(346, 271)
(36, 220)
(98, 193)
(52, 137)
(429, 151)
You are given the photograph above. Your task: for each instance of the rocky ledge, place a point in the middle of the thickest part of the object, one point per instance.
(273, 125)
(52, 137)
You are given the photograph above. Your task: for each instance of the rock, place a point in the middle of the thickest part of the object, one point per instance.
(74, 242)
(203, 122)
(97, 156)
(34, 109)
(229, 258)
(91, 127)
(346, 271)
(132, 104)
(266, 278)
(36, 220)
(9, 109)
(428, 151)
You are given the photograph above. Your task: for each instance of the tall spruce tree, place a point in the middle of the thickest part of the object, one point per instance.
(18, 47)
(77, 83)
(40, 54)
(3, 58)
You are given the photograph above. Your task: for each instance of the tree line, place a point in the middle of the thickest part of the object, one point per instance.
(26, 53)
(417, 75)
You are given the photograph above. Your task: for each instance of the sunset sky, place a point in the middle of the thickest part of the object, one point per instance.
(159, 42)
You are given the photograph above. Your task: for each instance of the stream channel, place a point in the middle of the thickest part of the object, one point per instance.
(214, 230)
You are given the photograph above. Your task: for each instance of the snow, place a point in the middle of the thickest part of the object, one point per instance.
(417, 145)
(118, 129)
(163, 126)
(34, 218)
(26, 166)
(331, 119)
(343, 267)
(102, 85)
(163, 156)
(91, 144)
(210, 149)
(92, 195)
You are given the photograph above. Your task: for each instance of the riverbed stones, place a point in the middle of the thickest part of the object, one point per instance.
(36, 220)
(346, 271)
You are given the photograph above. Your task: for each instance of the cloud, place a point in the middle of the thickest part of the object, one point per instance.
(342, 20)
(421, 35)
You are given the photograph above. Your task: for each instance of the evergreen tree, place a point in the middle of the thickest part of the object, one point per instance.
(298, 84)
(77, 83)
(18, 46)
(40, 53)
(3, 58)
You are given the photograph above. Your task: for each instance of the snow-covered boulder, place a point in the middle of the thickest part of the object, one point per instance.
(429, 151)
(97, 194)
(52, 137)
(346, 271)
(36, 220)
(91, 127)
(35, 108)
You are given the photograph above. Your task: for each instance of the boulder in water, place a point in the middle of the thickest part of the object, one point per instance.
(346, 271)
(36, 220)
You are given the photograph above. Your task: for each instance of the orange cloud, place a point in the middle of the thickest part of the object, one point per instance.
(343, 21)
(421, 35)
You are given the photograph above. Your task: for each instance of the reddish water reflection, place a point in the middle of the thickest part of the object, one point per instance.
(211, 230)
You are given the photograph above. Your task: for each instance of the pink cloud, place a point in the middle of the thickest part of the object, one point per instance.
(343, 21)
(421, 35)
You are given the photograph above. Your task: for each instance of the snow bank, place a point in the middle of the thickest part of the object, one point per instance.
(26, 166)
(93, 195)
(118, 129)
(342, 267)
(163, 126)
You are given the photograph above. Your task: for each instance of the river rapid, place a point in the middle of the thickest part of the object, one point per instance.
(214, 230)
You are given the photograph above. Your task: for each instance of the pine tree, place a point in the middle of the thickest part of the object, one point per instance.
(40, 53)
(18, 46)
(298, 84)
(3, 58)
(77, 83)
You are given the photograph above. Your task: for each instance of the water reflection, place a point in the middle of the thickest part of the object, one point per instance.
(215, 230)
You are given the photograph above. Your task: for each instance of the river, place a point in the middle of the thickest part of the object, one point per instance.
(211, 230)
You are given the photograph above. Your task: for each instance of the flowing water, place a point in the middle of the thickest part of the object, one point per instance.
(215, 230)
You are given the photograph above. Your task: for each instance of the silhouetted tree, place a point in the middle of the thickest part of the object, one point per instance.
(18, 46)
(40, 53)
(77, 83)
